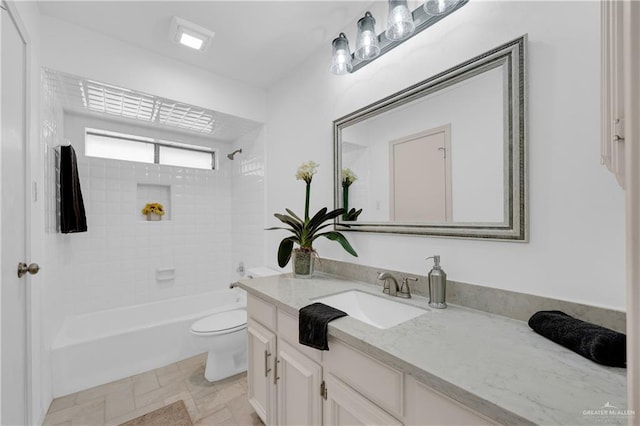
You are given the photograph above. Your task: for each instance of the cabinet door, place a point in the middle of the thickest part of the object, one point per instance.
(345, 406)
(299, 379)
(261, 390)
(427, 407)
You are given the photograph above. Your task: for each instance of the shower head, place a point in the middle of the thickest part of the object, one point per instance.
(233, 154)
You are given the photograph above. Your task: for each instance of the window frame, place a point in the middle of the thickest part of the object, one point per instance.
(157, 143)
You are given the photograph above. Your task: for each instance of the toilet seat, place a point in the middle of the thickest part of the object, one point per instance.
(221, 323)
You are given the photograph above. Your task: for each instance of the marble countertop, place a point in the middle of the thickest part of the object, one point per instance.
(495, 365)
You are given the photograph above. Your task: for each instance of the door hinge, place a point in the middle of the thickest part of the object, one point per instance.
(323, 390)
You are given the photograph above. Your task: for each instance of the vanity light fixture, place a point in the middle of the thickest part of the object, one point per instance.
(399, 21)
(438, 7)
(401, 26)
(367, 46)
(190, 34)
(340, 55)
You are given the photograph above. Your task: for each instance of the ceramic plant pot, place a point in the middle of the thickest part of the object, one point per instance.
(153, 217)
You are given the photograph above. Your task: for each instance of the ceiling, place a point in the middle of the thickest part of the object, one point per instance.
(256, 42)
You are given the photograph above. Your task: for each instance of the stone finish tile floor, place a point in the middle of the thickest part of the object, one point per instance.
(220, 403)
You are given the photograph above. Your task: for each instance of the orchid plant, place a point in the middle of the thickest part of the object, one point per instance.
(306, 231)
(348, 177)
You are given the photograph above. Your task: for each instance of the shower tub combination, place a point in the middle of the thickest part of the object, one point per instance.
(100, 347)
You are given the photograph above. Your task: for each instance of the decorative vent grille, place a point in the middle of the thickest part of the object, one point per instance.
(79, 94)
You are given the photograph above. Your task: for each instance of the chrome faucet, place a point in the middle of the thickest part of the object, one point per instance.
(405, 291)
(391, 290)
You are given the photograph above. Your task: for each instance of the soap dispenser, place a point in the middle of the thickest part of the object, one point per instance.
(437, 285)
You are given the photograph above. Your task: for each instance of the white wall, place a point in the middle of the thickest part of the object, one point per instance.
(576, 248)
(76, 50)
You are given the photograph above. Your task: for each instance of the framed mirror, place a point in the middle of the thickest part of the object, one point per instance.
(445, 157)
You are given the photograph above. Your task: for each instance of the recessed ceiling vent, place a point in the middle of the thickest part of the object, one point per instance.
(189, 34)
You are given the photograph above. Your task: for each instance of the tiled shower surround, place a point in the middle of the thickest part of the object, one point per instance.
(114, 264)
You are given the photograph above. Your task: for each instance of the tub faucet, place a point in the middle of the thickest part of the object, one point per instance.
(389, 288)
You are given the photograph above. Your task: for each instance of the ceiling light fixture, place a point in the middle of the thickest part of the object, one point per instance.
(401, 26)
(190, 34)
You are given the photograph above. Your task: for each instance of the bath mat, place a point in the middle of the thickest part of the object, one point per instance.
(174, 414)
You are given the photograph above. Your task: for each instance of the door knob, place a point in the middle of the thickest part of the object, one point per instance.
(23, 268)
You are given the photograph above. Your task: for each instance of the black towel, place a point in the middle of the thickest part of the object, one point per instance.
(313, 323)
(594, 342)
(72, 214)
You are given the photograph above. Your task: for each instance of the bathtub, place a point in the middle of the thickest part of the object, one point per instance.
(100, 347)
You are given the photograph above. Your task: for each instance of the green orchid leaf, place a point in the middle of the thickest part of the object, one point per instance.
(292, 214)
(317, 219)
(284, 251)
(322, 227)
(353, 214)
(335, 213)
(289, 221)
(327, 216)
(293, 231)
(336, 236)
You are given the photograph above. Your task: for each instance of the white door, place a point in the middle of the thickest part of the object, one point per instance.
(13, 295)
(299, 379)
(261, 390)
(420, 172)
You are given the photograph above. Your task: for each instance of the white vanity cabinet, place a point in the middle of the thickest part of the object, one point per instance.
(291, 384)
(283, 383)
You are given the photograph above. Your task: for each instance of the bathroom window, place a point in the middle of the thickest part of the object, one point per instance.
(118, 146)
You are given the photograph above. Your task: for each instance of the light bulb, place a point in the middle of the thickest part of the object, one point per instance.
(367, 46)
(439, 7)
(340, 55)
(400, 21)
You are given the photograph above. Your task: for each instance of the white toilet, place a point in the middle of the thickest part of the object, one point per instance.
(224, 336)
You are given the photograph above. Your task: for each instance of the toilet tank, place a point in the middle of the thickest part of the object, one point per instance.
(261, 271)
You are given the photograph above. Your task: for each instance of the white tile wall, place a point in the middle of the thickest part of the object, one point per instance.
(54, 263)
(248, 200)
(114, 263)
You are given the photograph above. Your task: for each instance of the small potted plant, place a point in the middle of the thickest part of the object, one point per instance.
(306, 231)
(153, 211)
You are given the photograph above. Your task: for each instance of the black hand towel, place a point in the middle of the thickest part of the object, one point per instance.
(72, 214)
(597, 343)
(313, 323)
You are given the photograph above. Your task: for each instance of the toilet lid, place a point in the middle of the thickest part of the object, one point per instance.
(220, 322)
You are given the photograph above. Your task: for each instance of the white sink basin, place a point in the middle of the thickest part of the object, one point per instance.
(374, 310)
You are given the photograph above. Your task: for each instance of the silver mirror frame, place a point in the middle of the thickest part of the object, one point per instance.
(512, 56)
